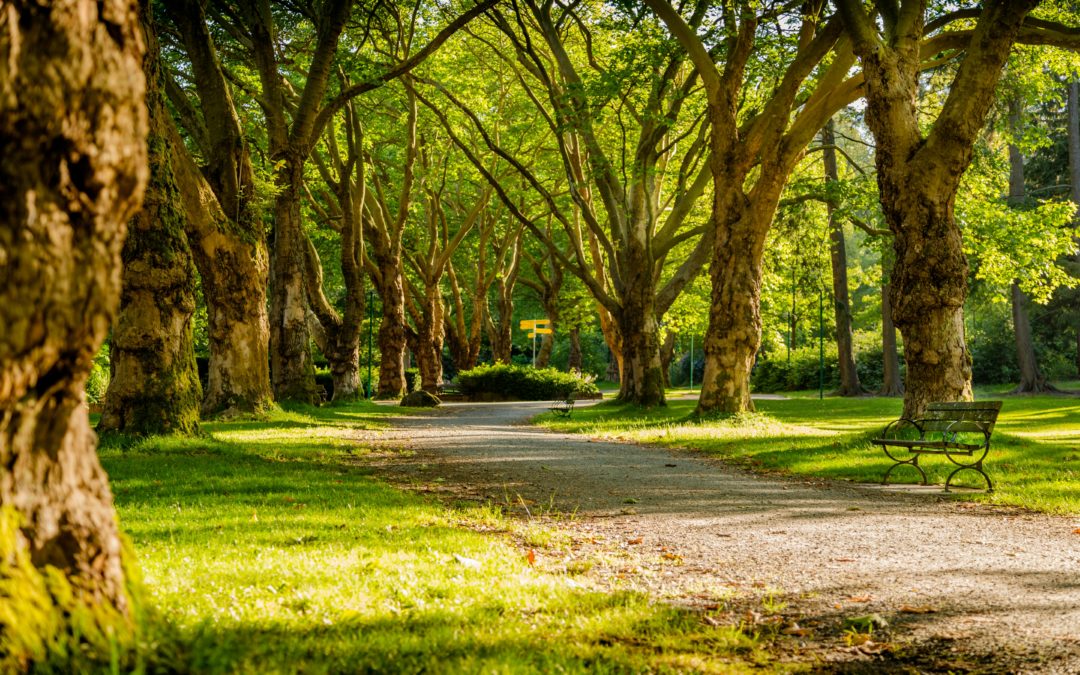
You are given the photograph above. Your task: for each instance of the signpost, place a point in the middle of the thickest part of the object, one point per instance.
(535, 327)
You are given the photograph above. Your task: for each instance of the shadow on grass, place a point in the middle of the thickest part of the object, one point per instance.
(1034, 459)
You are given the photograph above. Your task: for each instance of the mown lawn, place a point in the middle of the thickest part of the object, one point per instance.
(270, 546)
(1034, 460)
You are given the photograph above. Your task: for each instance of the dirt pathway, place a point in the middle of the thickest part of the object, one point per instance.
(973, 588)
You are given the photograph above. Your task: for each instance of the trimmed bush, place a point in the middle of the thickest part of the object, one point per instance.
(522, 383)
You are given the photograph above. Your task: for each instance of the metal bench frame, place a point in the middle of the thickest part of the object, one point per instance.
(563, 407)
(950, 420)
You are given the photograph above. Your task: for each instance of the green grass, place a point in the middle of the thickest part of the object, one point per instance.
(1034, 459)
(270, 546)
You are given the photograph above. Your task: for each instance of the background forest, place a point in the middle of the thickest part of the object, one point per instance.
(551, 162)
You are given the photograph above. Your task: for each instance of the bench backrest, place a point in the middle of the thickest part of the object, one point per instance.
(961, 416)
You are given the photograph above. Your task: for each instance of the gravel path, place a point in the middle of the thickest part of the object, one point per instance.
(977, 589)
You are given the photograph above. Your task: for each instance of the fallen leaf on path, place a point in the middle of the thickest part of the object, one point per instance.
(531, 557)
(843, 560)
(672, 556)
(796, 629)
(1076, 531)
(633, 542)
(920, 609)
(860, 598)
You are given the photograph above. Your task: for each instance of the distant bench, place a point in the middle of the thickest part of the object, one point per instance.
(563, 406)
(960, 431)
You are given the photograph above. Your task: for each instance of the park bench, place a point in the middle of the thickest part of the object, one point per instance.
(960, 431)
(563, 406)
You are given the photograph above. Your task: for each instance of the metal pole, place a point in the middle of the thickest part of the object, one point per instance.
(691, 362)
(534, 347)
(791, 332)
(821, 344)
(370, 328)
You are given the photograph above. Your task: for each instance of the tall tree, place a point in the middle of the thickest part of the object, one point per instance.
(849, 376)
(1032, 379)
(753, 152)
(73, 167)
(154, 388)
(630, 191)
(224, 223)
(919, 174)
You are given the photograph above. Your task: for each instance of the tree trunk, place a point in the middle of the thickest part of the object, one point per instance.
(233, 270)
(849, 376)
(225, 230)
(575, 361)
(292, 370)
(667, 353)
(501, 328)
(891, 382)
(73, 167)
(642, 379)
(429, 340)
(918, 178)
(1031, 378)
(155, 387)
(734, 331)
(392, 332)
(1032, 381)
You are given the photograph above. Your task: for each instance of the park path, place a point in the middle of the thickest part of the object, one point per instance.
(1002, 586)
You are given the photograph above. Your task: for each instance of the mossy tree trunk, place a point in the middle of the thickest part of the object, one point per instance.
(155, 386)
(919, 176)
(73, 168)
(224, 224)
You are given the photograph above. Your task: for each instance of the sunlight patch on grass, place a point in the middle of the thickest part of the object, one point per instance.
(1034, 460)
(267, 546)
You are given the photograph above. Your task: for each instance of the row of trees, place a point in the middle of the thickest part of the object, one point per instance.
(598, 154)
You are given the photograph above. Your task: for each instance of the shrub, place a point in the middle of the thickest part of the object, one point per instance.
(522, 382)
(774, 373)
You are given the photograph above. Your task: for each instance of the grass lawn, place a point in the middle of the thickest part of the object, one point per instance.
(269, 546)
(1034, 459)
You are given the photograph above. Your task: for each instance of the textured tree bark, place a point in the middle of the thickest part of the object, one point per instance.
(918, 178)
(392, 331)
(225, 230)
(429, 339)
(734, 332)
(849, 376)
(575, 360)
(292, 370)
(73, 169)
(155, 385)
(642, 379)
(500, 327)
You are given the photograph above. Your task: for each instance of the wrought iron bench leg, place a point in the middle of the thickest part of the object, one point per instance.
(977, 466)
(914, 461)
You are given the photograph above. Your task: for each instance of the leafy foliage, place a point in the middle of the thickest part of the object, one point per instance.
(522, 382)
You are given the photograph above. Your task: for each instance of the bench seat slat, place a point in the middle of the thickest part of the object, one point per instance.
(929, 446)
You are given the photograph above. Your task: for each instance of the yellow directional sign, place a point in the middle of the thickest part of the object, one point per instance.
(529, 324)
(543, 331)
(531, 335)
